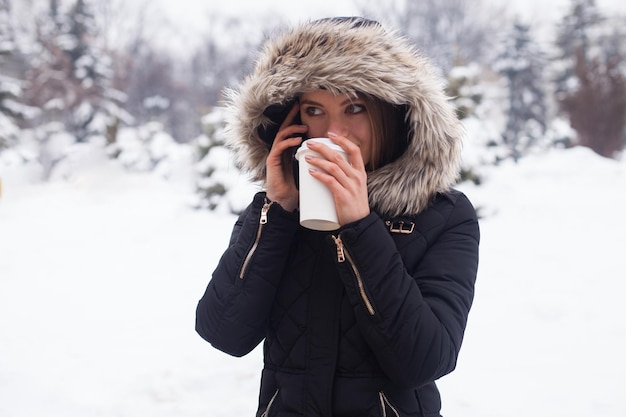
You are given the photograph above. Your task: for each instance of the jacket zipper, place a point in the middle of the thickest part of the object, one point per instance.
(342, 256)
(269, 405)
(262, 222)
(384, 403)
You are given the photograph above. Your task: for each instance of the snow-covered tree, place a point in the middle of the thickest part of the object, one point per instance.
(10, 87)
(148, 148)
(591, 82)
(212, 158)
(451, 32)
(219, 184)
(522, 63)
(159, 89)
(217, 64)
(464, 89)
(7, 44)
(71, 77)
(577, 35)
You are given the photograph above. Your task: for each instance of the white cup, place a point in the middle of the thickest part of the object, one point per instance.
(317, 206)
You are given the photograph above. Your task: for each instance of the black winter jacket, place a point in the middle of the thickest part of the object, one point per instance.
(364, 320)
(360, 327)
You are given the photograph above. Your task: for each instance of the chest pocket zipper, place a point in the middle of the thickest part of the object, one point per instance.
(384, 404)
(342, 256)
(262, 222)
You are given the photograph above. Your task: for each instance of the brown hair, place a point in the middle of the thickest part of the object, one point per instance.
(389, 131)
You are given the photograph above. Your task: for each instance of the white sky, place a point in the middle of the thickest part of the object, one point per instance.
(178, 23)
(192, 10)
(191, 16)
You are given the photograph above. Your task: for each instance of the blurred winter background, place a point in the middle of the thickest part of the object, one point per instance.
(117, 198)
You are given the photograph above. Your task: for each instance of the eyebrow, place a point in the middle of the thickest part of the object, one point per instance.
(348, 100)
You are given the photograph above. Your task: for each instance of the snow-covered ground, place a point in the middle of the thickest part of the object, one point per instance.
(100, 274)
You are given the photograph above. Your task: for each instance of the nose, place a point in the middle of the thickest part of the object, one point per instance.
(337, 124)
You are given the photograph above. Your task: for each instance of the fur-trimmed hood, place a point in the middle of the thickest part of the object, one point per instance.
(348, 55)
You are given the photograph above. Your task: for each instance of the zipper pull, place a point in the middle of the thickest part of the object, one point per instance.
(264, 211)
(341, 256)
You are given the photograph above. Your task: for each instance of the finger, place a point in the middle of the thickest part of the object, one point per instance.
(354, 157)
(348, 192)
(343, 161)
(291, 116)
(281, 145)
(329, 160)
(333, 169)
(290, 131)
(328, 171)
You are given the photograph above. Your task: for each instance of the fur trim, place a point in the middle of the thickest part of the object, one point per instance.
(349, 56)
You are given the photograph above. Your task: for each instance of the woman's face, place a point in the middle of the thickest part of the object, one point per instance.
(344, 115)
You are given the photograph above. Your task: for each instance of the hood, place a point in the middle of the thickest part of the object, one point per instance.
(348, 55)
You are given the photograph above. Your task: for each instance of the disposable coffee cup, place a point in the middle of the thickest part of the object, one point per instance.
(317, 206)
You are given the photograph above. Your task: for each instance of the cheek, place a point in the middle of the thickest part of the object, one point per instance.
(366, 153)
(316, 128)
(363, 132)
(366, 149)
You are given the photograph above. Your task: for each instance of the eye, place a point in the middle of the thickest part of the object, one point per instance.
(313, 111)
(355, 108)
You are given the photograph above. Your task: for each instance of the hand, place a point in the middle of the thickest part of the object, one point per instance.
(347, 180)
(281, 186)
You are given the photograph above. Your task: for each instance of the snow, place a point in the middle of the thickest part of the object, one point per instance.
(546, 335)
(101, 270)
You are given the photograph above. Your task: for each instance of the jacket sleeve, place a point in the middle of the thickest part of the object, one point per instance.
(232, 314)
(412, 302)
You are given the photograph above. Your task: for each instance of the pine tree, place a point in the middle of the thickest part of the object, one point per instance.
(522, 63)
(11, 111)
(465, 91)
(71, 78)
(210, 187)
(463, 87)
(155, 93)
(6, 28)
(591, 87)
(451, 32)
(575, 37)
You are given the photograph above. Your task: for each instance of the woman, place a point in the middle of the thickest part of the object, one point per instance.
(360, 321)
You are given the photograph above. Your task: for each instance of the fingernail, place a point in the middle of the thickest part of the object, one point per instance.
(332, 134)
